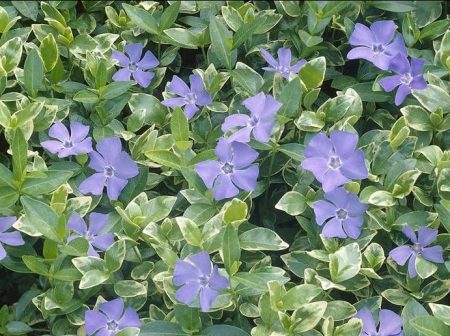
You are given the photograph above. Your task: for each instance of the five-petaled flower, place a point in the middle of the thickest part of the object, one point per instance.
(196, 276)
(133, 65)
(260, 122)
(113, 169)
(390, 324)
(8, 238)
(93, 234)
(408, 76)
(343, 213)
(67, 144)
(335, 160)
(233, 170)
(420, 249)
(283, 65)
(191, 98)
(377, 44)
(110, 319)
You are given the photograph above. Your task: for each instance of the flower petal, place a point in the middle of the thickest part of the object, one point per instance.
(418, 83)
(208, 171)
(188, 292)
(97, 221)
(367, 318)
(361, 36)
(383, 31)
(297, 66)
(344, 143)
(103, 242)
(397, 46)
(124, 61)
(417, 65)
(323, 211)
(148, 61)
(13, 238)
(412, 266)
(235, 120)
(339, 197)
(113, 309)
(110, 148)
(246, 179)
(185, 272)
(224, 188)
(134, 51)
(284, 57)
(97, 162)
(59, 131)
(333, 229)
(178, 87)
(217, 281)
(255, 104)
(269, 58)
(202, 261)
(114, 187)
(434, 254)
(53, 146)
(401, 254)
(319, 145)
(426, 236)
(243, 155)
(223, 150)
(389, 83)
(172, 102)
(94, 184)
(143, 78)
(2, 252)
(390, 323)
(83, 147)
(93, 321)
(122, 75)
(6, 222)
(354, 166)
(317, 166)
(361, 52)
(263, 131)
(125, 167)
(129, 319)
(401, 94)
(242, 135)
(76, 223)
(409, 232)
(399, 64)
(207, 297)
(190, 110)
(352, 226)
(332, 179)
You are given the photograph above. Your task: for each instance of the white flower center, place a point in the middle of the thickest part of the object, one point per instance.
(406, 78)
(283, 69)
(417, 248)
(377, 48)
(112, 325)
(334, 162)
(191, 98)
(109, 171)
(132, 66)
(68, 144)
(227, 168)
(341, 214)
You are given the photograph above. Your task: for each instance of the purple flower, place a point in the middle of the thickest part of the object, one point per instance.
(283, 66)
(68, 144)
(134, 65)
(335, 160)
(97, 222)
(343, 213)
(191, 98)
(113, 169)
(377, 44)
(110, 319)
(260, 122)
(390, 323)
(196, 276)
(401, 254)
(408, 76)
(233, 170)
(8, 238)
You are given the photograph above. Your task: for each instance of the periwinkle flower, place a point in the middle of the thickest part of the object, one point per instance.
(8, 238)
(92, 234)
(189, 97)
(342, 212)
(390, 324)
(67, 144)
(133, 65)
(260, 122)
(408, 76)
(283, 65)
(113, 167)
(110, 319)
(196, 276)
(335, 160)
(233, 170)
(420, 248)
(377, 44)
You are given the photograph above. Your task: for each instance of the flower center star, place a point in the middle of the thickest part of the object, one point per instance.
(417, 248)
(112, 325)
(191, 98)
(377, 48)
(341, 214)
(87, 235)
(67, 144)
(109, 171)
(227, 168)
(283, 69)
(204, 280)
(253, 121)
(334, 162)
(406, 79)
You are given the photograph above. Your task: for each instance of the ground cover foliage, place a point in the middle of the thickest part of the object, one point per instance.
(224, 168)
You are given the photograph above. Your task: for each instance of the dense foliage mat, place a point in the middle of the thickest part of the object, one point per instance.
(231, 168)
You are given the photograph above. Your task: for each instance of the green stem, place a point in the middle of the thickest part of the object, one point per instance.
(271, 163)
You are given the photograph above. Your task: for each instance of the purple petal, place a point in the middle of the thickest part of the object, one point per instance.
(91, 252)
(270, 109)
(172, 102)
(188, 292)
(113, 309)
(114, 187)
(65, 152)
(354, 206)
(333, 228)
(103, 331)
(417, 65)
(208, 171)
(94, 184)
(217, 281)
(110, 148)
(332, 179)
(361, 52)
(339, 197)
(409, 232)
(97, 162)
(344, 143)
(178, 87)
(418, 83)
(284, 57)
(269, 69)
(401, 254)
(134, 51)
(297, 66)
(269, 58)
(223, 150)
(59, 131)
(94, 320)
(263, 131)
(412, 266)
(352, 226)
(396, 47)
(103, 242)
(148, 61)
(83, 147)
(124, 61)
(402, 92)
(354, 166)
(323, 211)
(224, 188)
(382, 61)
(207, 297)
(241, 135)
(12, 238)
(368, 323)
(400, 64)
(383, 31)
(390, 322)
(317, 166)
(78, 131)
(143, 78)
(434, 254)
(6, 223)
(426, 236)
(76, 224)
(255, 104)
(53, 146)
(185, 272)
(243, 155)
(97, 221)
(2, 252)
(246, 178)
(126, 168)
(190, 110)
(196, 83)
(361, 36)
(319, 145)
(202, 261)
(122, 75)
(129, 319)
(203, 98)
(235, 120)
(389, 83)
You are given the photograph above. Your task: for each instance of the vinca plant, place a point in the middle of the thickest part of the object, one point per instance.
(225, 168)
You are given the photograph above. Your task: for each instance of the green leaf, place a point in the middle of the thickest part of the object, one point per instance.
(93, 278)
(164, 158)
(179, 125)
(115, 255)
(169, 16)
(416, 219)
(340, 310)
(183, 37)
(441, 311)
(293, 150)
(352, 328)
(430, 326)
(115, 89)
(33, 77)
(312, 73)
(17, 327)
(221, 41)
(345, 263)
(19, 150)
(411, 310)
(188, 318)
(231, 251)
(162, 328)
(291, 97)
(8, 197)
(129, 288)
(234, 211)
(12, 53)
(28, 8)
(293, 203)
(261, 239)
(425, 268)
(36, 265)
(87, 96)
(308, 316)
(433, 97)
(247, 79)
(6, 177)
(49, 52)
(141, 18)
(299, 295)
(45, 183)
(222, 330)
(190, 231)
